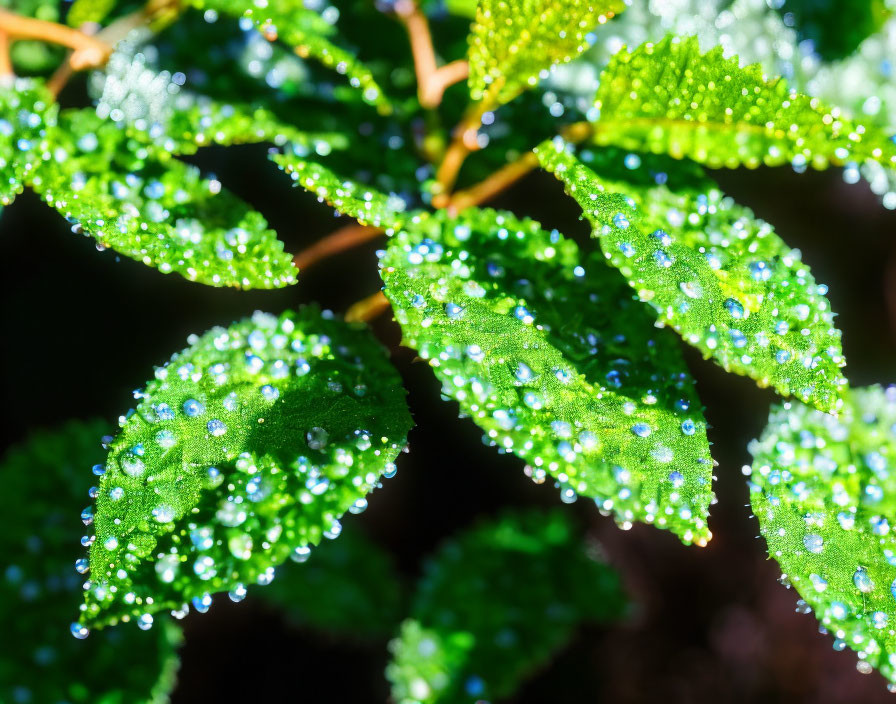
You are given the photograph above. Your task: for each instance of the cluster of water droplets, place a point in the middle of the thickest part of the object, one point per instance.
(822, 488)
(545, 350)
(27, 111)
(717, 274)
(235, 459)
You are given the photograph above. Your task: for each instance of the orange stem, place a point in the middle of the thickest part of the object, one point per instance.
(87, 51)
(5, 62)
(431, 80)
(368, 308)
(496, 183)
(344, 238)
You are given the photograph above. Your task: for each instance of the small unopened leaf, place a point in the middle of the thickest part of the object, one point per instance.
(49, 475)
(366, 205)
(310, 35)
(668, 98)
(246, 448)
(347, 587)
(27, 110)
(513, 42)
(165, 215)
(494, 604)
(824, 491)
(715, 273)
(547, 352)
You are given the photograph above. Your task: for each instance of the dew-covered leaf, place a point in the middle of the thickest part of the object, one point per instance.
(715, 273)
(49, 475)
(668, 98)
(246, 448)
(165, 215)
(347, 587)
(366, 205)
(513, 42)
(823, 490)
(155, 108)
(549, 354)
(311, 35)
(27, 112)
(494, 604)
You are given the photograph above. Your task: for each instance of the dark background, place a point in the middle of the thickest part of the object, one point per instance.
(82, 329)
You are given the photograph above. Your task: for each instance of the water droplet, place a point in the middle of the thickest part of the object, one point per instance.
(163, 513)
(814, 543)
(270, 393)
(524, 372)
(144, 623)
(862, 581)
(676, 479)
(691, 289)
(193, 408)
(111, 543)
(167, 568)
(642, 430)
(734, 308)
(621, 221)
(82, 565)
(216, 427)
(317, 438)
(79, 631)
(87, 515)
(760, 271)
(301, 553)
(688, 427)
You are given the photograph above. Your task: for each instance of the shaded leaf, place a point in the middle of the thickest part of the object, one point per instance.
(165, 215)
(27, 111)
(823, 491)
(347, 587)
(364, 204)
(49, 474)
(512, 42)
(309, 34)
(494, 604)
(668, 98)
(247, 447)
(546, 351)
(715, 273)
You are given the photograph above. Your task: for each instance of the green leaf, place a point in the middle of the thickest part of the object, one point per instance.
(165, 215)
(348, 587)
(247, 447)
(83, 11)
(512, 42)
(49, 474)
(668, 98)
(716, 274)
(494, 604)
(823, 491)
(27, 113)
(364, 204)
(547, 352)
(157, 110)
(310, 35)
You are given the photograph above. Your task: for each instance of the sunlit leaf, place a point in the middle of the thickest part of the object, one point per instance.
(246, 448)
(668, 98)
(513, 42)
(49, 475)
(716, 274)
(494, 604)
(547, 352)
(165, 215)
(367, 205)
(83, 11)
(823, 490)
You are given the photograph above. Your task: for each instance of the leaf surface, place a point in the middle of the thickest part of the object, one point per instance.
(714, 272)
(824, 493)
(546, 351)
(49, 475)
(27, 113)
(494, 604)
(247, 448)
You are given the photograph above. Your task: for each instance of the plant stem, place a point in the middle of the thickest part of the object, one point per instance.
(368, 308)
(463, 142)
(432, 80)
(6, 72)
(493, 185)
(342, 239)
(87, 51)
